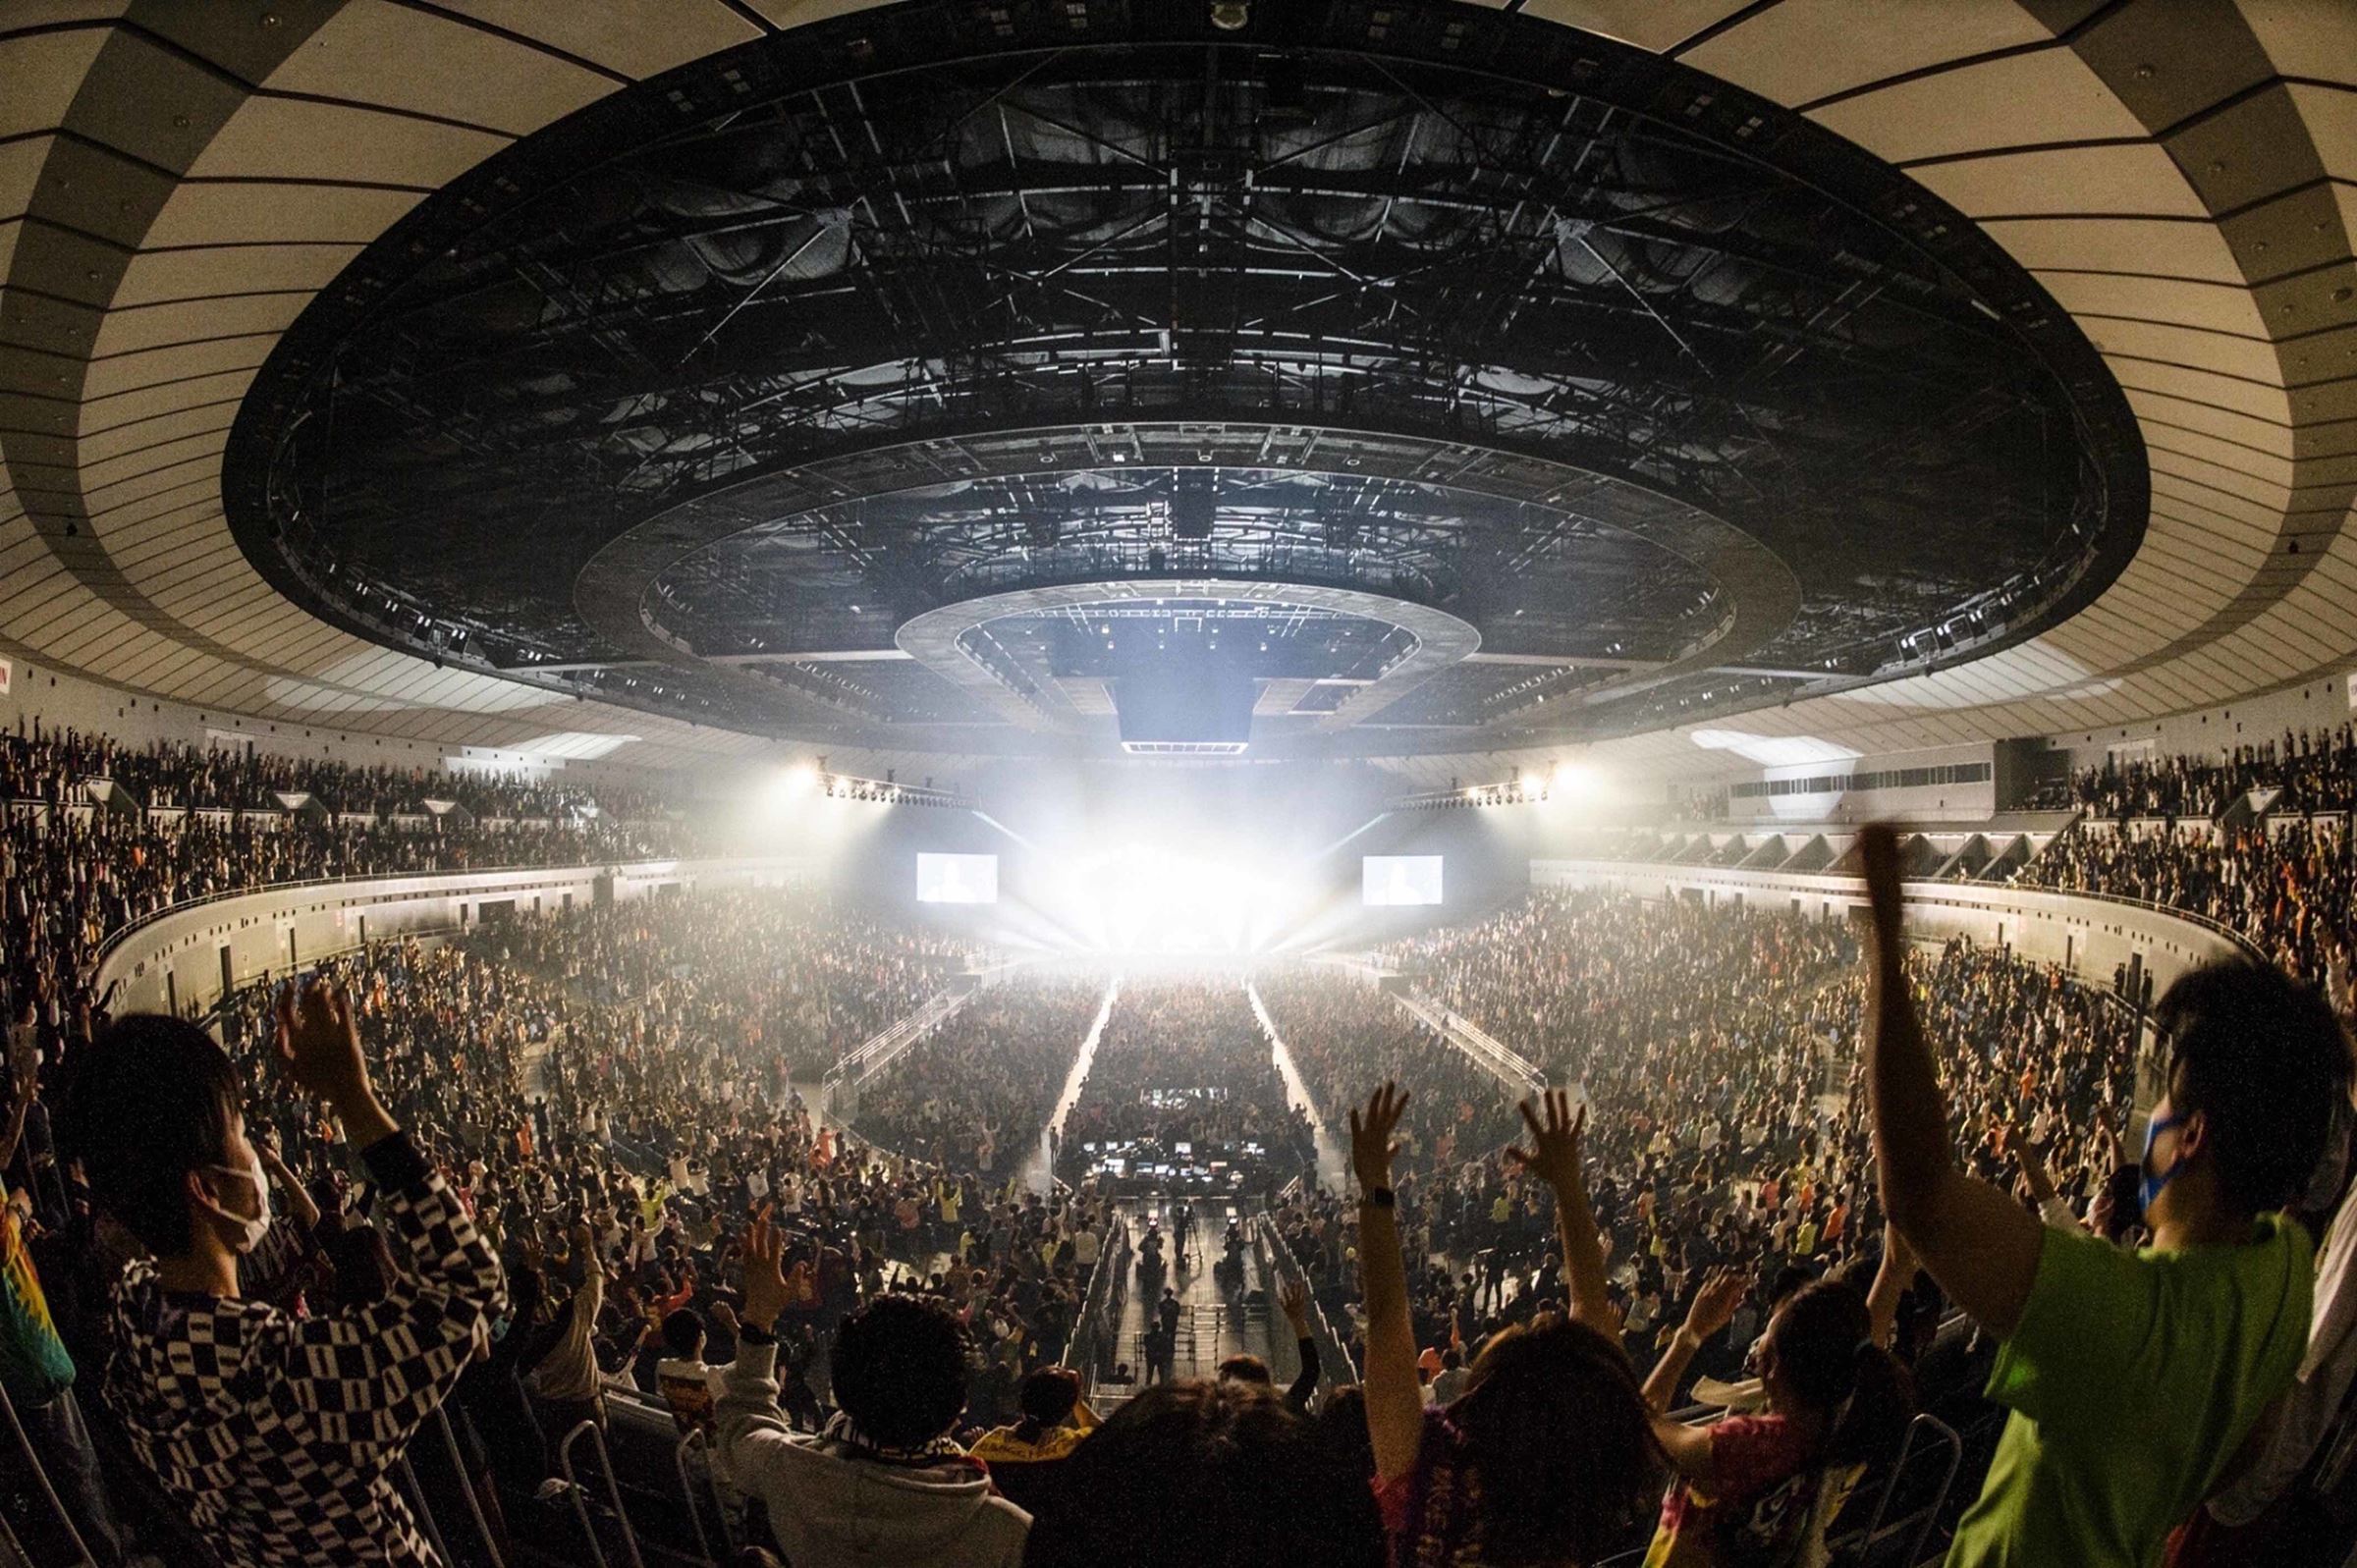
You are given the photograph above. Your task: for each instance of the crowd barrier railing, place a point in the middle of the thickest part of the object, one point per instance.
(580, 1503)
(1334, 1351)
(1096, 1331)
(42, 1484)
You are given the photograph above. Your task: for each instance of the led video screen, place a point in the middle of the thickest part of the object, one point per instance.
(1401, 879)
(957, 878)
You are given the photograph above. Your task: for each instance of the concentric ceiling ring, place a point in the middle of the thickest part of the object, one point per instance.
(839, 264)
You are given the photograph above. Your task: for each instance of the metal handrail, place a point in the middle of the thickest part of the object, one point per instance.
(1912, 883)
(1931, 1511)
(1331, 1344)
(1501, 1062)
(693, 1439)
(580, 1508)
(424, 1508)
(41, 1474)
(474, 1506)
(116, 937)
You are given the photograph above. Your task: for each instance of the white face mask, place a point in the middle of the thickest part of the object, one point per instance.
(250, 1231)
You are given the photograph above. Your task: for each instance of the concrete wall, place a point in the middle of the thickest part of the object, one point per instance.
(2320, 704)
(2088, 937)
(177, 961)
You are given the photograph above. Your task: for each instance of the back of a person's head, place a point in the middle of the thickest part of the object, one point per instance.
(899, 1368)
(1047, 1397)
(1196, 1473)
(2260, 1056)
(1560, 1439)
(1246, 1368)
(683, 1334)
(150, 1100)
(1821, 1347)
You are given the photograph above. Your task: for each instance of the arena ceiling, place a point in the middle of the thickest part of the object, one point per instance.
(1658, 386)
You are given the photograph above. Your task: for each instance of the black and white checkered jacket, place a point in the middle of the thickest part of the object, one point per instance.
(279, 1434)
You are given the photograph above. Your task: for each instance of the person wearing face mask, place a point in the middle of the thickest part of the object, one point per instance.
(2133, 1377)
(278, 1435)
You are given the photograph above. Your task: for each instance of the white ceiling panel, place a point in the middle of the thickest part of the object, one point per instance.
(2161, 248)
(2135, 181)
(377, 52)
(242, 212)
(20, 168)
(2249, 360)
(2212, 306)
(1655, 25)
(636, 38)
(43, 71)
(207, 273)
(2313, 38)
(1976, 108)
(303, 139)
(1802, 50)
(140, 327)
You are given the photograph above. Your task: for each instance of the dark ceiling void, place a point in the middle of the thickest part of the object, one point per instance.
(703, 398)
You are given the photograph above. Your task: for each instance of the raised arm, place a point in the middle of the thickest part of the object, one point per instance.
(752, 1428)
(1891, 1278)
(1554, 1156)
(1294, 1297)
(1714, 1308)
(393, 1359)
(1395, 1401)
(1978, 1243)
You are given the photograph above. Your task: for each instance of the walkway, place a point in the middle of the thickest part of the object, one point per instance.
(1039, 1171)
(1333, 1160)
(1214, 1322)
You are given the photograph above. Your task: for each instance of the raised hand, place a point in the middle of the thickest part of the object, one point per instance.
(318, 1043)
(764, 1285)
(1555, 1143)
(726, 1316)
(1714, 1308)
(1371, 1146)
(1294, 1297)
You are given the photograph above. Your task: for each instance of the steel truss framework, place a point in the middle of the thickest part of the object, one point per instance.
(919, 229)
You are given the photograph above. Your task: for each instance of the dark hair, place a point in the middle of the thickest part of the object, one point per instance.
(683, 1332)
(1265, 1486)
(1047, 1397)
(899, 1367)
(152, 1100)
(1246, 1368)
(2262, 1058)
(1560, 1439)
(1822, 1341)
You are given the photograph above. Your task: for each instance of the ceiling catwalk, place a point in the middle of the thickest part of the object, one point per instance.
(1443, 380)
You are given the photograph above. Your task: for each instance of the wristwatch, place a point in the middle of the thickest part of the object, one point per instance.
(1381, 1198)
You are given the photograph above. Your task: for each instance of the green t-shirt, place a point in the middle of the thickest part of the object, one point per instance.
(2132, 1377)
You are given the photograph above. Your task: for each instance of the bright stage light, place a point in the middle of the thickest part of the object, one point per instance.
(1143, 899)
(798, 782)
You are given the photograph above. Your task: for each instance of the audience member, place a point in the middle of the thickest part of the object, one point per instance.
(278, 1433)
